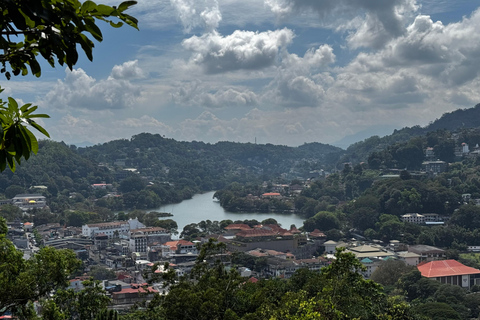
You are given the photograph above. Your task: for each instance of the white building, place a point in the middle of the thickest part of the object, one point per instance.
(410, 258)
(29, 201)
(111, 229)
(414, 218)
(138, 243)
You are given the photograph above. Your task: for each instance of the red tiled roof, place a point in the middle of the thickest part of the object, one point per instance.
(135, 290)
(445, 268)
(256, 233)
(236, 226)
(174, 244)
(317, 233)
(257, 253)
(271, 194)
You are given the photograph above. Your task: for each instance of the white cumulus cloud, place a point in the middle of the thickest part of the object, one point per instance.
(128, 70)
(240, 50)
(79, 91)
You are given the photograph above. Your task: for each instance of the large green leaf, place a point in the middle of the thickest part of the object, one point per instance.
(38, 127)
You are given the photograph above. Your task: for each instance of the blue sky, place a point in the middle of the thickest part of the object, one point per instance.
(281, 71)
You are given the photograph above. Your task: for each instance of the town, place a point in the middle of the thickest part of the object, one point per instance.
(131, 259)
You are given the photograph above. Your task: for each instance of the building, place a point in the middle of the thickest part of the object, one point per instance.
(111, 229)
(370, 257)
(272, 195)
(138, 243)
(179, 247)
(450, 272)
(430, 153)
(427, 253)
(330, 246)
(367, 251)
(434, 166)
(29, 201)
(410, 258)
(235, 228)
(153, 234)
(413, 218)
(135, 294)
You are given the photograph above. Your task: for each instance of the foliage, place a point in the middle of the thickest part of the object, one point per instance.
(85, 304)
(52, 30)
(102, 273)
(22, 281)
(212, 292)
(107, 315)
(17, 142)
(323, 220)
(389, 271)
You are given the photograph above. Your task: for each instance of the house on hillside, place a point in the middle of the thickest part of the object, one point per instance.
(29, 201)
(434, 167)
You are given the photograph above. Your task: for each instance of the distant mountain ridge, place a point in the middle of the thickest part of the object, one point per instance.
(451, 121)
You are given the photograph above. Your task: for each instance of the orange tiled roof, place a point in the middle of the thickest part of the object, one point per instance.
(236, 226)
(443, 268)
(256, 233)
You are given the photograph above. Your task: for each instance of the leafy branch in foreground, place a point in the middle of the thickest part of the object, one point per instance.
(52, 30)
(16, 140)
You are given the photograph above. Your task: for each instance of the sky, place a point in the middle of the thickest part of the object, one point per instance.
(285, 72)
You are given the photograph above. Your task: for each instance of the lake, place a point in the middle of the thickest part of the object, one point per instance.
(202, 207)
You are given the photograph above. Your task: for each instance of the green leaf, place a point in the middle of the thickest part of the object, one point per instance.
(126, 4)
(3, 160)
(35, 68)
(87, 46)
(11, 162)
(116, 25)
(39, 115)
(38, 127)
(88, 6)
(25, 107)
(12, 105)
(94, 30)
(104, 10)
(33, 140)
(26, 142)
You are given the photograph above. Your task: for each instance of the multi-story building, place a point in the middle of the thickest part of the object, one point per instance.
(154, 234)
(427, 253)
(29, 201)
(111, 229)
(437, 166)
(138, 243)
(414, 218)
(451, 272)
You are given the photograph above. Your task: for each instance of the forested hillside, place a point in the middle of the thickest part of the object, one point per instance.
(457, 120)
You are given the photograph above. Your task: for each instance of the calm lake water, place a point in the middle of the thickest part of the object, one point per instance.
(202, 207)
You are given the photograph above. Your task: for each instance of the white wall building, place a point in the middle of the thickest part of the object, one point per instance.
(29, 201)
(414, 218)
(111, 229)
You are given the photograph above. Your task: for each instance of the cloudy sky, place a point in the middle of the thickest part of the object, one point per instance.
(279, 71)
